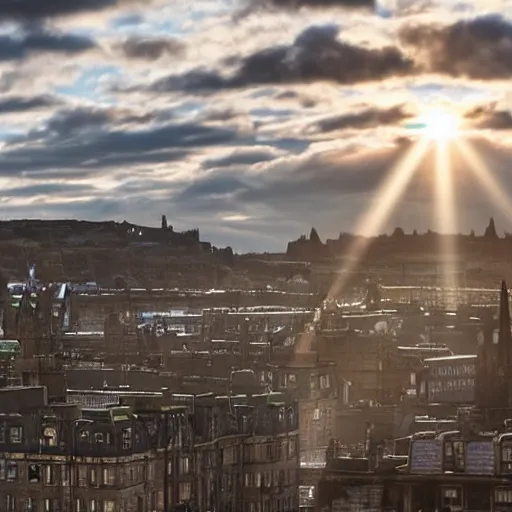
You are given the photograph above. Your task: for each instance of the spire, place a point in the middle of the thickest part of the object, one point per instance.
(505, 339)
(505, 345)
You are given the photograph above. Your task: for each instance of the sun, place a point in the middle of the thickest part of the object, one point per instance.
(440, 125)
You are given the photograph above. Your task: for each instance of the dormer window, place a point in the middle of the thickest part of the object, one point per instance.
(127, 438)
(49, 436)
(15, 434)
(84, 436)
(99, 438)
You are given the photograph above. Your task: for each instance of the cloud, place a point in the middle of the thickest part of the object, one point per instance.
(35, 9)
(41, 39)
(151, 48)
(14, 104)
(364, 119)
(242, 157)
(490, 117)
(67, 143)
(316, 55)
(476, 48)
(297, 4)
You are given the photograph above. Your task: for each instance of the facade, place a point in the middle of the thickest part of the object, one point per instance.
(150, 454)
(247, 453)
(449, 380)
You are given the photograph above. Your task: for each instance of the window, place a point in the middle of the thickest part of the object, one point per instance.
(2, 469)
(15, 434)
(127, 438)
(30, 505)
(11, 503)
(503, 496)
(184, 465)
(34, 473)
(98, 438)
(48, 505)
(93, 506)
(49, 437)
(93, 480)
(229, 455)
(12, 471)
(79, 505)
(185, 491)
(48, 475)
(109, 476)
(64, 475)
(109, 506)
(2, 432)
(82, 475)
(84, 436)
(452, 497)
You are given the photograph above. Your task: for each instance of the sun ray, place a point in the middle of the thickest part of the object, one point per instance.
(485, 177)
(446, 221)
(379, 211)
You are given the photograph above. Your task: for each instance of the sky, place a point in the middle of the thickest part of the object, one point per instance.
(253, 120)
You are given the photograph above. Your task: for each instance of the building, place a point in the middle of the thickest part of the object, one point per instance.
(152, 453)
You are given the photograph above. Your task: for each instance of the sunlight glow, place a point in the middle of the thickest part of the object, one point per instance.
(440, 125)
(446, 221)
(375, 217)
(485, 177)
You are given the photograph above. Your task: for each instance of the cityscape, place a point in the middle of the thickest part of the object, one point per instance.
(138, 397)
(255, 256)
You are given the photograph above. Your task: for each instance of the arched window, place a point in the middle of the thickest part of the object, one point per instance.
(49, 436)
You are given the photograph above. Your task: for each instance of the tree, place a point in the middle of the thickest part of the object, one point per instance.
(164, 222)
(490, 230)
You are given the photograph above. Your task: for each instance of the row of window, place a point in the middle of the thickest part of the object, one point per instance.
(437, 387)
(269, 478)
(276, 505)
(14, 435)
(83, 476)
(459, 370)
(13, 503)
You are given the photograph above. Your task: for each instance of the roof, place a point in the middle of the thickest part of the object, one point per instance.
(461, 357)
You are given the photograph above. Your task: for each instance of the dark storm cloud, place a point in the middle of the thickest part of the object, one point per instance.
(476, 48)
(13, 104)
(68, 121)
(490, 117)
(40, 39)
(368, 118)
(36, 9)
(99, 149)
(151, 48)
(315, 55)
